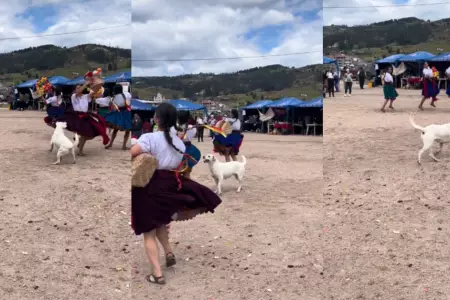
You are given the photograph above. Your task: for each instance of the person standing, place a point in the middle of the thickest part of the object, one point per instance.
(429, 88)
(336, 81)
(330, 82)
(348, 82)
(200, 129)
(390, 94)
(361, 77)
(447, 73)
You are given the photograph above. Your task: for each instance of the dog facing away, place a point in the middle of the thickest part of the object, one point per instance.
(224, 170)
(63, 143)
(439, 133)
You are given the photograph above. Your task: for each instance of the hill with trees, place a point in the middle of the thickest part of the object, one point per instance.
(389, 37)
(48, 60)
(267, 82)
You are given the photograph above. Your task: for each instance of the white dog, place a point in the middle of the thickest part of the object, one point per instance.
(224, 170)
(63, 143)
(430, 134)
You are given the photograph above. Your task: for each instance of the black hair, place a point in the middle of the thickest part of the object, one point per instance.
(167, 116)
(106, 92)
(183, 117)
(118, 89)
(234, 113)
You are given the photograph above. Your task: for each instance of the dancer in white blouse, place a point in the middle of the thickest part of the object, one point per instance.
(390, 94)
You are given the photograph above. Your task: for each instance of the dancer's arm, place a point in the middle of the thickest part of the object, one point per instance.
(136, 150)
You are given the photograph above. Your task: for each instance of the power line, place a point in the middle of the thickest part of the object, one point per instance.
(223, 58)
(62, 33)
(387, 5)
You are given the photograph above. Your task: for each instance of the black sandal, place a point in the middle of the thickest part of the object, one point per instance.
(156, 280)
(170, 260)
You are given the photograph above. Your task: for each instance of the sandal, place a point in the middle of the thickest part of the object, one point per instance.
(156, 280)
(170, 260)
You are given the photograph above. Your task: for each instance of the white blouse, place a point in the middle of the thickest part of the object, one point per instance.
(427, 73)
(54, 101)
(103, 102)
(155, 143)
(447, 71)
(80, 104)
(388, 78)
(119, 100)
(190, 133)
(235, 123)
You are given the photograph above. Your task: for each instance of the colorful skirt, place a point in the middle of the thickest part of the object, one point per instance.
(193, 152)
(229, 145)
(89, 125)
(103, 111)
(161, 201)
(430, 89)
(389, 92)
(119, 119)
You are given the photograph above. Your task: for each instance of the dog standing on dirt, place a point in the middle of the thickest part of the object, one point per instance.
(63, 143)
(224, 170)
(430, 134)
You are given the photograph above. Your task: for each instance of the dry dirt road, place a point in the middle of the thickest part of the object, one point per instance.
(388, 218)
(65, 234)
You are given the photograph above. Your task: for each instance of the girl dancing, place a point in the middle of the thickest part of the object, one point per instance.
(167, 196)
(390, 94)
(187, 135)
(430, 89)
(54, 109)
(229, 146)
(87, 125)
(120, 116)
(447, 73)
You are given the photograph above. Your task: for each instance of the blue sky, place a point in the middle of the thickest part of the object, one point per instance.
(228, 29)
(41, 17)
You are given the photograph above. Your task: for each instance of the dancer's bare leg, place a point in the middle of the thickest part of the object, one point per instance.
(384, 105)
(81, 144)
(391, 104)
(421, 103)
(151, 248)
(113, 137)
(125, 140)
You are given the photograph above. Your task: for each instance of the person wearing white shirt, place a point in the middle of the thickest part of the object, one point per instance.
(167, 196)
(447, 74)
(200, 129)
(330, 82)
(187, 133)
(86, 124)
(429, 86)
(229, 146)
(119, 119)
(104, 103)
(390, 94)
(54, 109)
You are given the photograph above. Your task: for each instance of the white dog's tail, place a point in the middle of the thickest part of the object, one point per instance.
(411, 120)
(244, 160)
(77, 141)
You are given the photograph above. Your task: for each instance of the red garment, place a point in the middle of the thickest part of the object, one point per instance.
(146, 127)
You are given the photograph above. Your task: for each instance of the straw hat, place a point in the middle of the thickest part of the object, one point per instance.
(143, 167)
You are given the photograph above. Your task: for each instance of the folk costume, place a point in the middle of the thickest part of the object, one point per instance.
(447, 72)
(430, 88)
(168, 196)
(120, 115)
(54, 110)
(191, 150)
(388, 87)
(230, 144)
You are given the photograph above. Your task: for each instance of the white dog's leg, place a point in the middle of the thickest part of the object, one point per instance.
(432, 155)
(427, 144)
(239, 178)
(219, 185)
(74, 156)
(441, 145)
(51, 147)
(60, 154)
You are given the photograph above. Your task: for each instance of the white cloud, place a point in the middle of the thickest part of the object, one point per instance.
(170, 29)
(69, 16)
(370, 14)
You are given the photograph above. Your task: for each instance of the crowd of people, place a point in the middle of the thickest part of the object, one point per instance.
(332, 80)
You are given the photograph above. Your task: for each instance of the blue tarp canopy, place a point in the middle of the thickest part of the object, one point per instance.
(58, 80)
(258, 105)
(327, 60)
(441, 57)
(390, 59)
(27, 84)
(119, 77)
(317, 102)
(419, 56)
(138, 105)
(76, 81)
(286, 102)
(185, 105)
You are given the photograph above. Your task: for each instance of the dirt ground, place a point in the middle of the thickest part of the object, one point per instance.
(65, 232)
(387, 218)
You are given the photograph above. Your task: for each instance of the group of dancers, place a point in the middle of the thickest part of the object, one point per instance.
(114, 113)
(430, 87)
(171, 194)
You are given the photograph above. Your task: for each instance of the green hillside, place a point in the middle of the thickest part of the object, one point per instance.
(270, 82)
(49, 60)
(389, 37)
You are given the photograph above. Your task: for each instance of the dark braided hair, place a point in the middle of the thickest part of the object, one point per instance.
(167, 118)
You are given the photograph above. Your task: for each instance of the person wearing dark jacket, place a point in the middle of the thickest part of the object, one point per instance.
(361, 78)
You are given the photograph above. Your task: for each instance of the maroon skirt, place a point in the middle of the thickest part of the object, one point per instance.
(156, 204)
(89, 124)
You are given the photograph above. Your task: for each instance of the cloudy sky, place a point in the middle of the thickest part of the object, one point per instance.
(22, 18)
(371, 12)
(192, 29)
